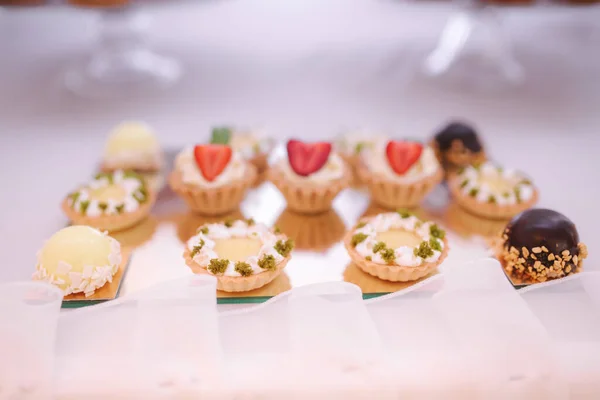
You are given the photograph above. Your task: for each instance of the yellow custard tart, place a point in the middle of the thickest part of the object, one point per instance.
(132, 146)
(112, 201)
(241, 254)
(78, 259)
(397, 246)
(491, 191)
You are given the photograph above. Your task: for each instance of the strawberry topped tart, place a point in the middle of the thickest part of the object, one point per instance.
(399, 173)
(310, 177)
(211, 178)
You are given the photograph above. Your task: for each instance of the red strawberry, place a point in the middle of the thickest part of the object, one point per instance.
(212, 159)
(307, 158)
(402, 155)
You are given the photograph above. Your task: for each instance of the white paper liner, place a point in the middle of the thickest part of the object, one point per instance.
(462, 334)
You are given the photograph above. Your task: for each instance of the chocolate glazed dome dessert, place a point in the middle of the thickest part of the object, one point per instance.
(541, 244)
(458, 145)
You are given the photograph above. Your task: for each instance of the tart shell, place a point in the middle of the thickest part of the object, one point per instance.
(393, 273)
(488, 210)
(261, 163)
(213, 201)
(237, 283)
(147, 167)
(307, 198)
(111, 223)
(392, 195)
(353, 162)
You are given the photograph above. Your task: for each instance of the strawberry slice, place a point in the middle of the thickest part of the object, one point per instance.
(307, 158)
(403, 155)
(212, 159)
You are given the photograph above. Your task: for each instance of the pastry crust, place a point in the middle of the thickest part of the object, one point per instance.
(306, 198)
(238, 283)
(261, 163)
(489, 210)
(111, 223)
(353, 162)
(393, 273)
(392, 195)
(146, 167)
(213, 201)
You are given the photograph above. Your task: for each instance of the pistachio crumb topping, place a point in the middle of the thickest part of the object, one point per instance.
(243, 268)
(437, 232)
(359, 147)
(250, 222)
(434, 244)
(107, 175)
(196, 249)
(103, 206)
(464, 183)
(357, 238)
(473, 192)
(203, 230)
(218, 266)
(492, 199)
(368, 258)
(518, 194)
(228, 223)
(388, 255)
(74, 196)
(84, 205)
(378, 247)
(424, 250)
(120, 208)
(360, 225)
(267, 262)
(277, 230)
(284, 248)
(404, 213)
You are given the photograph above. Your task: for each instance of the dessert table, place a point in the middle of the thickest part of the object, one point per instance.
(464, 333)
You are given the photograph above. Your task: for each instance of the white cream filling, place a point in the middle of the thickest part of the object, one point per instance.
(140, 158)
(473, 179)
(239, 229)
(185, 163)
(130, 185)
(332, 170)
(354, 143)
(86, 281)
(404, 255)
(250, 143)
(377, 162)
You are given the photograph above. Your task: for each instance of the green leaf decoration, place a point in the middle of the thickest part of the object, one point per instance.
(220, 135)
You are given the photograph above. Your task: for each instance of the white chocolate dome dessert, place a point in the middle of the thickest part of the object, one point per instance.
(132, 145)
(78, 259)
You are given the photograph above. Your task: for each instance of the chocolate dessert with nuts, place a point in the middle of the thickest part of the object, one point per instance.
(539, 245)
(458, 146)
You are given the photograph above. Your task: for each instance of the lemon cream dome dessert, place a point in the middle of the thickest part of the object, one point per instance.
(78, 259)
(397, 246)
(400, 174)
(132, 146)
(242, 255)
(491, 191)
(212, 178)
(111, 201)
(310, 177)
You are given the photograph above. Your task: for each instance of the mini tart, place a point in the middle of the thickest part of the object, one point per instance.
(457, 146)
(113, 201)
(539, 245)
(242, 255)
(78, 259)
(492, 192)
(396, 246)
(132, 146)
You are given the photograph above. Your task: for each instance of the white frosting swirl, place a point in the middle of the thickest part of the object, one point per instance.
(405, 255)
(238, 229)
(377, 162)
(354, 143)
(185, 163)
(250, 143)
(332, 170)
(478, 182)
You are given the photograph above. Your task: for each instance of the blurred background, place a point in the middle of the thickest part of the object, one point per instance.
(526, 74)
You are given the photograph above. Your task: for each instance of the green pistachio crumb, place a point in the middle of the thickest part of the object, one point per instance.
(267, 262)
(360, 225)
(218, 266)
(477, 166)
(256, 148)
(107, 175)
(388, 255)
(203, 230)
(228, 223)
(404, 213)
(284, 248)
(378, 247)
(418, 224)
(141, 195)
(368, 258)
(435, 244)
(196, 249)
(74, 196)
(358, 238)
(437, 232)
(84, 206)
(250, 222)
(464, 183)
(473, 192)
(492, 199)
(500, 169)
(120, 208)
(423, 251)
(277, 230)
(103, 206)
(518, 194)
(244, 269)
(460, 170)
(525, 182)
(359, 147)
(506, 195)
(132, 174)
